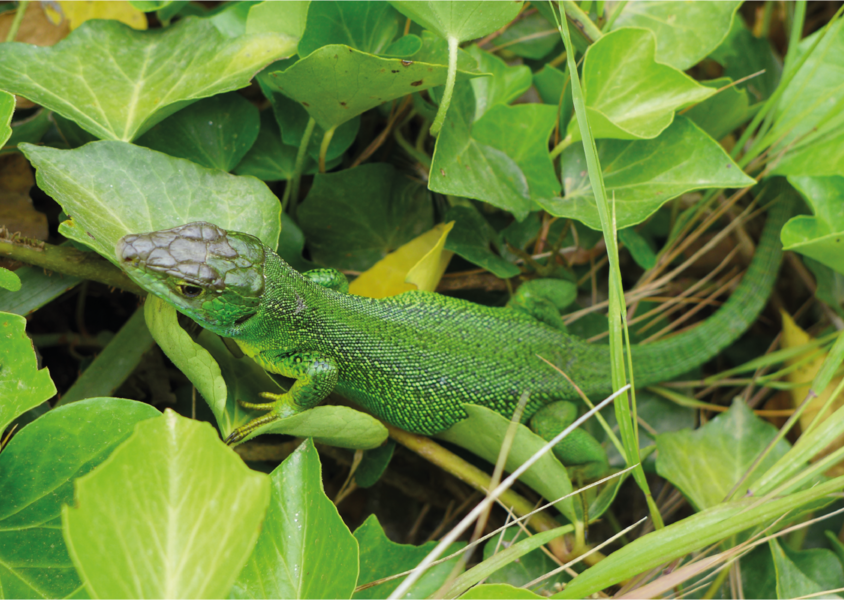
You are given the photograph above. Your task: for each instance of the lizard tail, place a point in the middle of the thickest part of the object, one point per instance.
(679, 354)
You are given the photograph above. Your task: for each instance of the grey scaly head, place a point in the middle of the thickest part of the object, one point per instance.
(214, 276)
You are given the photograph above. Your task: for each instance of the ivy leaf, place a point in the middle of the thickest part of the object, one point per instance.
(505, 84)
(353, 218)
(727, 110)
(642, 175)
(743, 54)
(269, 158)
(380, 557)
(37, 470)
(464, 166)
(821, 236)
(366, 26)
(115, 188)
(628, 94)
(287, 18)
(95, 77)
(9, 280)
(686, 32)
(807, 573)
(22, 384)
(304, 550)
(531, 37)
(215, 132)
(336, 83)
(7, 107)
(476, 241)
(482, 434)
(706, 463)
(137, 514)
(461, 19)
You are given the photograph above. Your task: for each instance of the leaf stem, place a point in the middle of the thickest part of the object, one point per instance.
(323, 148)
(615, 14)
(291, 192)
(16, 23)
(449, 86)
(582, 21)
(558, 149)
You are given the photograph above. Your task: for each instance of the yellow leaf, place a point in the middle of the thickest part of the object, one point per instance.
(77, 12)
(793, 335)
(419, 264)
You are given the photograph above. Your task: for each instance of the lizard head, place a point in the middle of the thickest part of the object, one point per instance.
(214, 276)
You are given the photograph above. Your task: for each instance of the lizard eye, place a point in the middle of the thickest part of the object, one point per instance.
(190, 291)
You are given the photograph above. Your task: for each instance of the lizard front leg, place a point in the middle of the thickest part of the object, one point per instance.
(315, 376)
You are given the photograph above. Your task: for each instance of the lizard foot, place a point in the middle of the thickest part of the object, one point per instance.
(241, 433)
(264, 405)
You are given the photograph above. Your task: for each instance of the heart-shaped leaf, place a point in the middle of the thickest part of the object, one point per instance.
(460, 19)
(366, 26)
(685, 31)
(215, 132)
(37, 470)
(336, 83)
(114, 188)
(116, 82)
(820, 237)
(304, 550)
(642, 175)
(628, 94)
(22, 384)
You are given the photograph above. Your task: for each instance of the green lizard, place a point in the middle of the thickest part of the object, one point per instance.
(414, 359)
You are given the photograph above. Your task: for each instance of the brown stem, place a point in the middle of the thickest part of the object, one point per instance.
(66, 260)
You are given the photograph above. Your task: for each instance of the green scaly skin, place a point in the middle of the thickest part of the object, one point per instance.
(414, 359)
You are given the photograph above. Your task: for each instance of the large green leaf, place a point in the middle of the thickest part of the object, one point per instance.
(380, 557)
(642, 175)
(460, 19)
(809, 123)
(743, 54)
(336, 83)
(628, 94)
(304, 550)
(366, 26)
(137, 514)
(353, 218)
(114, 188)
(117, 82)
(685, 31)
(476, 241)
(22, 384)
(293, 120)
(270, 159)
(9, 280)
(339, 426)
(483, 433)
(7, 107)
(215, 132)
(37, 470)
(800, 574)
(287, 18)
(501, 159)
(505, 84)
(706, 463)
(530, 37)
(821, 236)
(723, 112)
